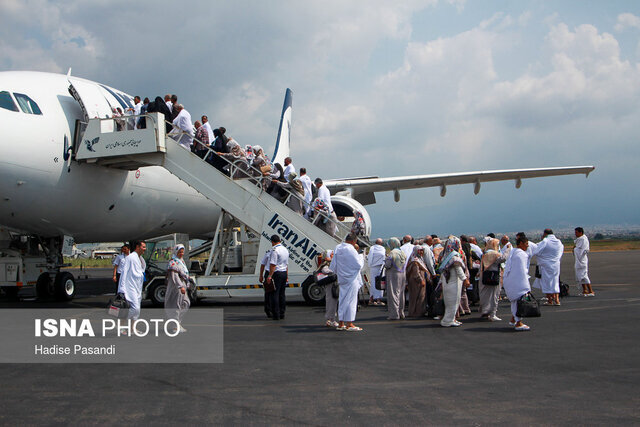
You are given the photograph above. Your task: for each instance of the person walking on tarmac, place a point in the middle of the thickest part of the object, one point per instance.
(278, 273)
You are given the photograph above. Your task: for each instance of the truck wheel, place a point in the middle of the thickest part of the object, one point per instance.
(65, 287)
(312, 293)
(156, 292)
(44, 289)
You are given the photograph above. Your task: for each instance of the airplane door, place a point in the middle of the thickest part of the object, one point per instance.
(90, 98)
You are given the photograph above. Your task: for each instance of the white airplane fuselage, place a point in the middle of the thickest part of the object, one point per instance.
(38, 195)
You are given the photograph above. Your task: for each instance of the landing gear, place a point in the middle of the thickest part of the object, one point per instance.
(157, 291)
(312, 293)
(65, 286)
(44, 287)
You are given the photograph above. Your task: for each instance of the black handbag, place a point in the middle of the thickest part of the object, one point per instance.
(528, 306)
(335, 290)
(537, 274)
(118, 307)
(564, 289)
(491, 277)
(329, 278)
(381, 280)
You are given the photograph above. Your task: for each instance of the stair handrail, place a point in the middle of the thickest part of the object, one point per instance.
(257, 177)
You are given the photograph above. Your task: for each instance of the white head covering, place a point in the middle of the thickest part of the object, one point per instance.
(177, 263)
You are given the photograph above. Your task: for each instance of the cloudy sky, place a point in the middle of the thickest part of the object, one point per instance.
(385, 88)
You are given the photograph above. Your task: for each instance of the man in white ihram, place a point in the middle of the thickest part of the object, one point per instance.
(347, 264)
(308, 193)
(325, 195)
(516, 279)
(182, 125)
(375, 259)
(548, 253)
(288, 168)
(581, 265)
(132, 277)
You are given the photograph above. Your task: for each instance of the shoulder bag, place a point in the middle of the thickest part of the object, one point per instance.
(381, 279)
(491, 277)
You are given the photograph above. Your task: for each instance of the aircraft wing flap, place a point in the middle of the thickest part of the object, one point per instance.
(373, 185)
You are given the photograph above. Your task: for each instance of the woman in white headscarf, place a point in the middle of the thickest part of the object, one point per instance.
(454, 274)
(176, 299)
(416, 268)
(490, 290)
(261, 166)
(395, 281)
(238, 158)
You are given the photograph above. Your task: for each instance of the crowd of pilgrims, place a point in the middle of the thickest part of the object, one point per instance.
(444, 279)
(313, 201)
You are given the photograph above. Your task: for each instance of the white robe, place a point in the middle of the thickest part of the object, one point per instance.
(308, 193)
(582, 261)
(325, 195)
(131, 282)
(516, 275)
(375, 259)
(407, 250)
(347, 264)
(548, 253)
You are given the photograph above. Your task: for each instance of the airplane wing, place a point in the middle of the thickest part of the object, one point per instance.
(364, 189)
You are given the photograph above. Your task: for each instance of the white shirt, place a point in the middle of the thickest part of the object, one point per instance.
(287, 170)
(306, 184)
(279, 257)
(375, 259)
(207, 126)
(183, 122)
(325, 195)
(169, 105)
(265, 258)
(119, 261)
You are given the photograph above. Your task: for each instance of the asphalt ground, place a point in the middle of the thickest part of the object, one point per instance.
(580, 364)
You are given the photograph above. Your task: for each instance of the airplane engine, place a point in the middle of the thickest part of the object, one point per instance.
(345, 206)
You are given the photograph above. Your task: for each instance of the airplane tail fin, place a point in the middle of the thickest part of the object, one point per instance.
(284, 136)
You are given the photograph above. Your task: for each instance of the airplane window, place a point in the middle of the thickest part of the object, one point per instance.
(6, 101)
(27, 104)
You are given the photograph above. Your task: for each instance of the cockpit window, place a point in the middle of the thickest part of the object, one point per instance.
(6, 101)
(27, 104)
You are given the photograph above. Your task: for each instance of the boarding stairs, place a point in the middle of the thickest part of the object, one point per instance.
(244, 199)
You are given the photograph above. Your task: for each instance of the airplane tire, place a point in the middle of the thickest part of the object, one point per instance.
(43, 287)
(65, 286)
(312, 293)
(156, 292)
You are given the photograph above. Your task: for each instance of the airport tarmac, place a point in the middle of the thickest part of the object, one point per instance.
(580, 364)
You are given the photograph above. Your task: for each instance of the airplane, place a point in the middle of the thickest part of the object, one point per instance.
(46, 196)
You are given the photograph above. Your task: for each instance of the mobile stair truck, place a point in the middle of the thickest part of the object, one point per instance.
(240, 203)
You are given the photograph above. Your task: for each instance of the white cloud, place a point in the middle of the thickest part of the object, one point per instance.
(627, 20)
